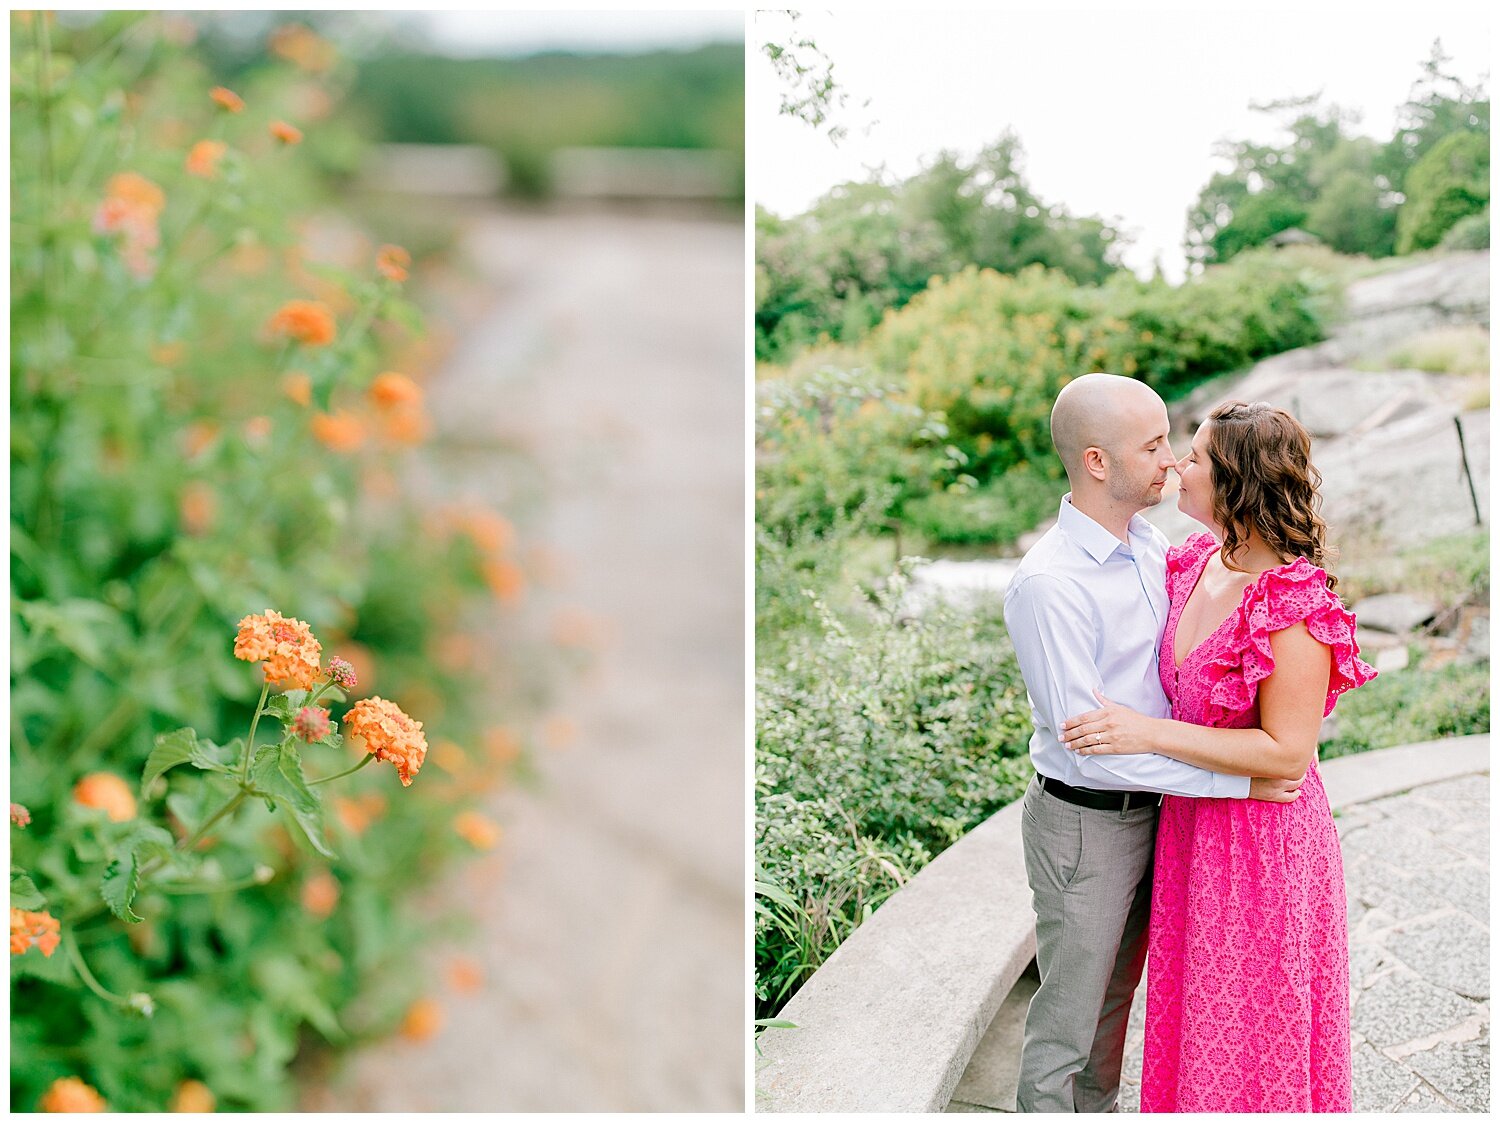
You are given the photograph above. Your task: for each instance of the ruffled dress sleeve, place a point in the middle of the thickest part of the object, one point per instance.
(1279, 598)
(1182, 563)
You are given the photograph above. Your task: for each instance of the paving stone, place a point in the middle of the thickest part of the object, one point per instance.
(1400, 895)
(1417, 850)
(1425, 1100)
(1452, 951)
(1460, 1069)
(1379, 1082)
(1468, 887)
(1400, 1008)
(1364, 960)
(959, 1108)
(1461, 789)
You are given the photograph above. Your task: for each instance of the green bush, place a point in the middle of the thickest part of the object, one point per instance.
(1449, 183)
(198, 433)
(1472, 232)
(1412, 706)
(996, 514)
(880, 741)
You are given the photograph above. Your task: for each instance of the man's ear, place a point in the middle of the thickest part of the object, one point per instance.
(1094, 463)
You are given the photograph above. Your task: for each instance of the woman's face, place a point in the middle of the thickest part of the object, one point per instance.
(1195, 488)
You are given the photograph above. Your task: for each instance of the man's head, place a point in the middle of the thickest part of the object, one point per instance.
(1111, 433)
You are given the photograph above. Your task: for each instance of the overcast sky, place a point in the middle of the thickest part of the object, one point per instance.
(502, 32)
(1117, 112)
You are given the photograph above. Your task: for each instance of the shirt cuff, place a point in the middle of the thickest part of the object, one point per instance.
(1231, 787)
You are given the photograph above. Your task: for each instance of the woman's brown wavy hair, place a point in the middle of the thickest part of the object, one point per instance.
(1264, 481)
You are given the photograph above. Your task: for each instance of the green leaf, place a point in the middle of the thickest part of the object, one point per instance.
(171, 750)
(23, 891)
(278, 773)
(285, 706)
(118, 887)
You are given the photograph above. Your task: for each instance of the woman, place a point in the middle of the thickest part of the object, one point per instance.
(1247, 1004)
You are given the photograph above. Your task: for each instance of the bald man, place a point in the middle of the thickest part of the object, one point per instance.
(1085, 611)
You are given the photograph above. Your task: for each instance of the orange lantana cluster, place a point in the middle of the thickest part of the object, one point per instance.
(309, 322)
(132, 205)
(388, 734)
(227, 99)
(71, 1094)
(285, 133)
(34, 930)
(287, 647)
(393, 262)
(203, 158)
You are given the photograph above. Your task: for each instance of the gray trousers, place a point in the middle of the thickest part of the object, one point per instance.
(1090, 875)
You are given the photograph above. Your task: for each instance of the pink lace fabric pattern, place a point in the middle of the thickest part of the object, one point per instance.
(1247, 1001)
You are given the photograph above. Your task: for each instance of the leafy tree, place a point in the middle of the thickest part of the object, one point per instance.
(1450, 182)
(1439, 105)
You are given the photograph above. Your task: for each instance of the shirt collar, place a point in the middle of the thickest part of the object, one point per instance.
(1096, 541)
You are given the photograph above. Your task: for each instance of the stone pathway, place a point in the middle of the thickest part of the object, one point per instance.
(1417, 869)
(611, 921)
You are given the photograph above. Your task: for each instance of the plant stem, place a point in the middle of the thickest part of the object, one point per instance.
(185, 888)
(197, 836)
(348, 771)
(88, 976)
(250, 743)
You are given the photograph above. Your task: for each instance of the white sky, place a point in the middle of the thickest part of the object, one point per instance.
(520, 32)
(1117, 112)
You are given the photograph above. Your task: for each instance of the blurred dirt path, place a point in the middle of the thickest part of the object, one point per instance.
(612, 915)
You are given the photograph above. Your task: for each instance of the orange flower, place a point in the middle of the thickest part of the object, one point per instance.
(197, 508)
(454, 651)
(257, 431)
(132, 204)
(285, 645)
(404, 426)
(197, 438)
(505, 580)
(502, 745)
(71, 1094)
(33, 930)
(320, 894)
(490, 531)
(298, 387)
(203, 158)
(194, 1097)
(104, 791)
(423, 1019)
(464, 974)
(393, 262)
(287, 134)
(227, 100)
(476, 830)
(302, 47)
(136, 193)
(357, 813)
(449, 757)
(309, 322)
(19, 815)
(392, 389)
(340, 432)
(388, 734)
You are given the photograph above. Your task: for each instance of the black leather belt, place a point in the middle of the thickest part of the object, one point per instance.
(1098, 800)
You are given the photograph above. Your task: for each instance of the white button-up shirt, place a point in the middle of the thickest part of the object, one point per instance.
(1086, 611)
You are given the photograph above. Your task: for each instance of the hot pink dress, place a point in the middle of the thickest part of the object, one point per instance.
(1247, 998)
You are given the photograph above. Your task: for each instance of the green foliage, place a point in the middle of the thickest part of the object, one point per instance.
(1344, 189)
(1450, 183)
(527, 108)
(997, 513)
(864, 248)
(1412, 706)
(1472, 232)
(162, 488)
(879, 742)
